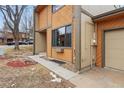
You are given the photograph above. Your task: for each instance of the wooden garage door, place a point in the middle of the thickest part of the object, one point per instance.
(114, 49)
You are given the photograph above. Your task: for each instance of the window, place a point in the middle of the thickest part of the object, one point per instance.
(68, 36)
(62, 37)
(56, 7)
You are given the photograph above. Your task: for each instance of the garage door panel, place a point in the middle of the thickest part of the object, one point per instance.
(108, 59)
(113, 44)
(114, 49)
(115, 63)
(115, 52)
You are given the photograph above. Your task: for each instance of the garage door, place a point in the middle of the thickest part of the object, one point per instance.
(114, 49)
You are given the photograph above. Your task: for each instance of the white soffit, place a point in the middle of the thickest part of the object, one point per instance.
(98, 9)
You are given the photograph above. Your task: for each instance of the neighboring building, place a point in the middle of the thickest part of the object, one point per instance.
(7, 36)
(1, 38)
(22, 36)
(67, 33)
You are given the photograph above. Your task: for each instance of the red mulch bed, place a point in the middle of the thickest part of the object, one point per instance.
(19, 63)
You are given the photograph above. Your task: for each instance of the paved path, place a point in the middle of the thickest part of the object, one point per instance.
(64, 73)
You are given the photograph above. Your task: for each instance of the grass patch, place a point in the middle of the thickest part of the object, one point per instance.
(28, 48)
(11, 52)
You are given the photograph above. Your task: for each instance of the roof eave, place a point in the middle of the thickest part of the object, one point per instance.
(108, 13)
(39, 6)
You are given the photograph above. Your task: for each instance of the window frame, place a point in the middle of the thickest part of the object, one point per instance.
(53, 11)
(64, 38)
(66, 34)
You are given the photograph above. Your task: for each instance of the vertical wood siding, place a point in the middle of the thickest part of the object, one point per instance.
(115, 21)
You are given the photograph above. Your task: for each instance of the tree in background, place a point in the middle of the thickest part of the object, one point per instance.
(12, 15)
(27, 22)
(5, 29)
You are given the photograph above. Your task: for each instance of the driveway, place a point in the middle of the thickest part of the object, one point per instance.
(100, 77)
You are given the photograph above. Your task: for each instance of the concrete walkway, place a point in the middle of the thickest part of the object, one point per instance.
(95, 78)
(64, 73)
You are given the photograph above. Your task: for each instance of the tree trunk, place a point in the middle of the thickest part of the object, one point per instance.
(16, 44)
(17, 39)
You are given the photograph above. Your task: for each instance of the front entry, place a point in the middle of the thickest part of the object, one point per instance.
(40, 42)
(44, 41)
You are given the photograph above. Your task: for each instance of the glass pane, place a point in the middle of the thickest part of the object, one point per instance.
(68, 35)
(56, 7)
(69, 29)
(61, 36)
(61, 31)
(54, 38)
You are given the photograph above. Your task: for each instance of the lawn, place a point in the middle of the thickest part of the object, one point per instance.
(32, 75)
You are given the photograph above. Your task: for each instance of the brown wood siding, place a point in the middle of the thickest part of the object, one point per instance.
(49, 16)
(49, 32)
(60, 18)
(43, 17)
(107, 23)
(66, 56)
(49, 42)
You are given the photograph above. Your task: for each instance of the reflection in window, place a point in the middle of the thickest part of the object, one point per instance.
(56, 7)
(68, 35)
(62, 36)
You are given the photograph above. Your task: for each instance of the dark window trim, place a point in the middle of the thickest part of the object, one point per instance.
(65, 35)
(57, 9)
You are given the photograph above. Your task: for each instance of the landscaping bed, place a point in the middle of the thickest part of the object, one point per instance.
(20, 63)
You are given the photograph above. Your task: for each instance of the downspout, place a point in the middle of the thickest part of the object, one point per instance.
(93, 48)
(95, 31)
(34, 31)
(77, 17)
(94, 43)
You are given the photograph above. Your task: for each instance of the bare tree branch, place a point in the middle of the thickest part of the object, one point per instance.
(3, 7)
(12, 16)
(6, 19)
(10, 13)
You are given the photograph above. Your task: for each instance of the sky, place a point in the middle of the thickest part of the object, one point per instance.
(1, 20)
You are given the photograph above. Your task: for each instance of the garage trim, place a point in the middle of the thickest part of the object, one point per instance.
(103, 40)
